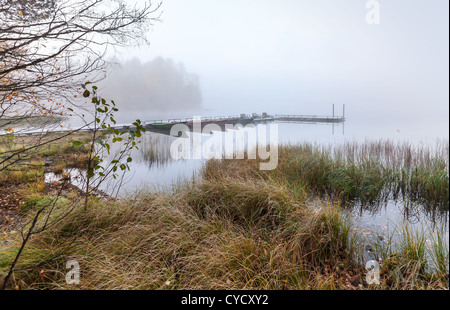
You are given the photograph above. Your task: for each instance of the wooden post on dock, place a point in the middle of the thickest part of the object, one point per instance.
(333, 119)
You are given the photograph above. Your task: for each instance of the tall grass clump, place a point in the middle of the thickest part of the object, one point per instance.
(209, 235)
(413, 259)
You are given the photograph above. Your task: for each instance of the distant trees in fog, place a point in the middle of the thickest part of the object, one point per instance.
(157, 85)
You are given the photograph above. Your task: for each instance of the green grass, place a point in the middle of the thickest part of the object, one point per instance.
(28, 167)
(369, 176)
(38, 201)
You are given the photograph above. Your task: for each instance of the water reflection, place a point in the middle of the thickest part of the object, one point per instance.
(393, 214)
(154, 150)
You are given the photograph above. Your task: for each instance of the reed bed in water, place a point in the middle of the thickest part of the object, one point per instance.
(371, 171)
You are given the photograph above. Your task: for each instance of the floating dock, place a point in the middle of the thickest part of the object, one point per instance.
(164, 127)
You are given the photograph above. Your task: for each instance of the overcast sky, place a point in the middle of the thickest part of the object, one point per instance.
(301, 56)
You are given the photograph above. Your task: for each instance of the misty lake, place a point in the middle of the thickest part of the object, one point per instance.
(153, 168)
(321, 160)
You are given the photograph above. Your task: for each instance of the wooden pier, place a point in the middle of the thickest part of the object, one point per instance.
(164, 127)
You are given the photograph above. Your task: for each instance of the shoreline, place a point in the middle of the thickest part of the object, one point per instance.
(233, 213)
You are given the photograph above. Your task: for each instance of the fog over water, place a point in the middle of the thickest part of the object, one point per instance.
(297, 57)
(220, 58)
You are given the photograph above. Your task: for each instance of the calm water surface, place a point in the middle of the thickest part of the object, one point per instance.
(153, 168)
